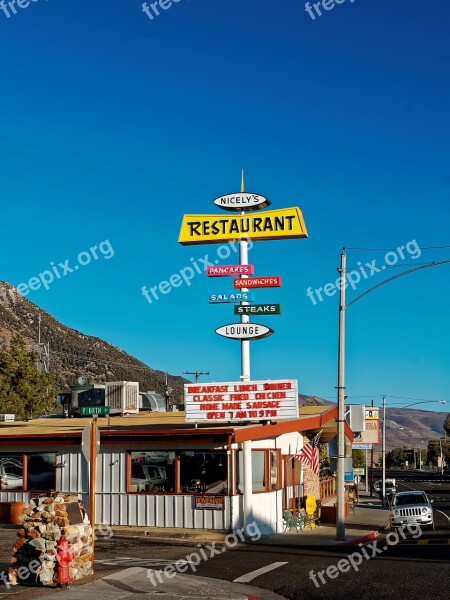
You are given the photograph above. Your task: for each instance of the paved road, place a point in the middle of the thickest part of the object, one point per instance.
(378, 570)
(385, 568)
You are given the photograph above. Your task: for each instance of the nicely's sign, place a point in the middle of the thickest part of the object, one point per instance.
(257, 282)
(242, 201)
(231, 401)
(244, 331)
(227, 270)
(258, 309)
(285, 223)
(231, 298)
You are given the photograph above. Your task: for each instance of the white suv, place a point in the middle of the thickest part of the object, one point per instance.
(411, 507)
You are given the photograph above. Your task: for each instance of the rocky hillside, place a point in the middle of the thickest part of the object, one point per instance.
(73, 354)
(404, 426)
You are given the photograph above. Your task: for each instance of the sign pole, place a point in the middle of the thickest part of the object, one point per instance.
(92, 478)
(245, 344)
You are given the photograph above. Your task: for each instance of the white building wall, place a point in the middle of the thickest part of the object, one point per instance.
(115, 507)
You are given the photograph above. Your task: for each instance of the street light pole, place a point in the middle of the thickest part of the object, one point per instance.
(340, 487)
(383, 455)
(340, 490)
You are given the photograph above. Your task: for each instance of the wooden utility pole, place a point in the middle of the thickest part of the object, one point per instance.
(196, 373)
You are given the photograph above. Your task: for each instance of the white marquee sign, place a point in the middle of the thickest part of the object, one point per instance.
(241, 401)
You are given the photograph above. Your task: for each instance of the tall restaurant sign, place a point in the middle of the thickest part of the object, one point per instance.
(284, 223)
(237, 400)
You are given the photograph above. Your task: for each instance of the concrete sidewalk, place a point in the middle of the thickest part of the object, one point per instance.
(135, 580)
(368, 519)
(364, 523)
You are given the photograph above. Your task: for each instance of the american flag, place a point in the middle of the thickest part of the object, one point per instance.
(309, 454)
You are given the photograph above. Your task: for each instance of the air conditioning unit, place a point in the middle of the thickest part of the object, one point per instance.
(6, 418)
(122, 397)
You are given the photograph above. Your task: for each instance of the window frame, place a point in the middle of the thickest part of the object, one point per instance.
(24, 457)
(177, 470)
(267, 471)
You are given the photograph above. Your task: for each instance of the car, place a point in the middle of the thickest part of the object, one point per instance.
(11, 477)
(411, 507)
(145, 478)
(389, 485)
(390, 488)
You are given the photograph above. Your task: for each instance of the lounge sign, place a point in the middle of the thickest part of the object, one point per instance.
(229, 270)
(285, 223)
(236, 400)
(244, 331)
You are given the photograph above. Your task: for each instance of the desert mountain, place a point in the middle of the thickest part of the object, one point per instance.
(73, 354)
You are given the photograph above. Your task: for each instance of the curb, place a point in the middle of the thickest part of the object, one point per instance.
(146, 539)
(365, 538)
(360, 540)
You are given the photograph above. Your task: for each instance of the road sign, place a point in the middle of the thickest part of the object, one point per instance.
(88, 411)
(372, 413)
(227, 270)
(85, 441)
(242, 201)
(231, 298)
(257, 282)
(348, 476)
(258, 309)
(362, 446)
(358, 471)
(285, 223)
(244, 331)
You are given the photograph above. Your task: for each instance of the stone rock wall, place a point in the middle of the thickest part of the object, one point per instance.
(45, 520)
(311, 483)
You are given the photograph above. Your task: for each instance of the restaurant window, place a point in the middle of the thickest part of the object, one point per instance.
(203, 471)
(41, 471)
(258, 471)
(152, 471)
(11, 472)
(273, 466)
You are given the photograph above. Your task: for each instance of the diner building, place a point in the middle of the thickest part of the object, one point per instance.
(157, 470)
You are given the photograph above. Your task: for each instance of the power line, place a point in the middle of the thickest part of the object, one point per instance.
(386, 249)
(387, 266)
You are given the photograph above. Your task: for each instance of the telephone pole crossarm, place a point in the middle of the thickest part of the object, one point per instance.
(196, 374)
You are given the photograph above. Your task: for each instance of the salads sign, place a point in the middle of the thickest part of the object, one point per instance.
(237, 401)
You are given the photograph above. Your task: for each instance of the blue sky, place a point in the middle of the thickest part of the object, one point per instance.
(114, 125)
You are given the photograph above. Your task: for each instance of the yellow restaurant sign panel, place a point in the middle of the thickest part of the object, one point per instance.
(280, 224)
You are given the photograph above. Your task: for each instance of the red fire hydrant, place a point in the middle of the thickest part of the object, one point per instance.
(63, 557)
